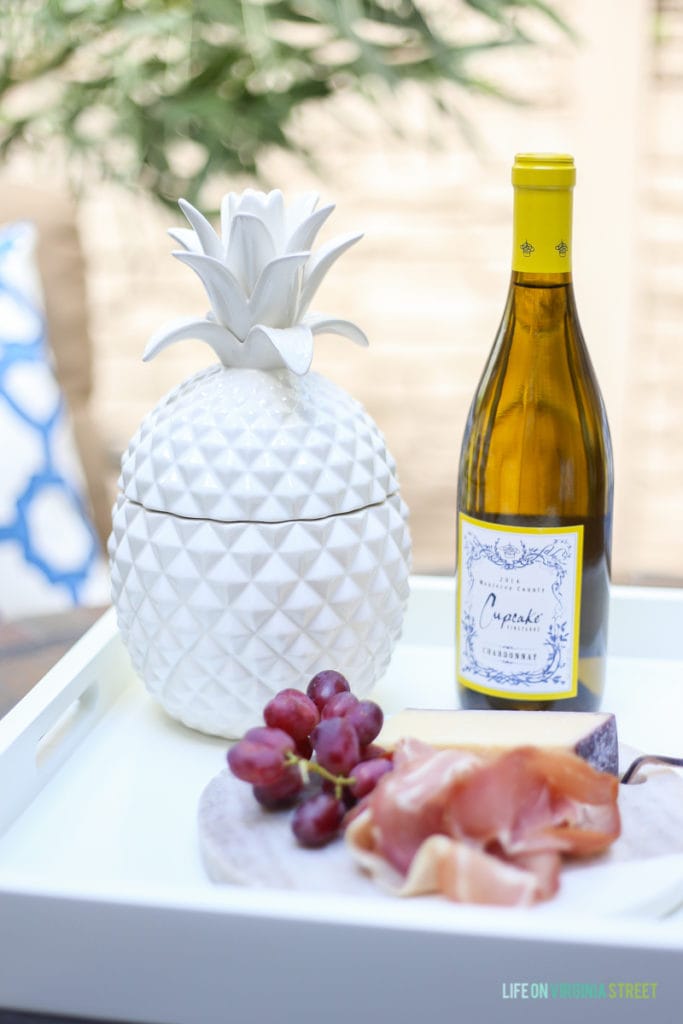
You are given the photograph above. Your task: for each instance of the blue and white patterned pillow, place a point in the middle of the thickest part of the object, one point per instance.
(49, 553)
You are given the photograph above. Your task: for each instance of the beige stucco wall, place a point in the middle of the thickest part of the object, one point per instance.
(428, 280)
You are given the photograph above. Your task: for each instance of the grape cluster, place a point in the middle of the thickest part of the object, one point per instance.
(315, 753)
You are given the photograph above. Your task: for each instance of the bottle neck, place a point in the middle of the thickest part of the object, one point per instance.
(542, 236)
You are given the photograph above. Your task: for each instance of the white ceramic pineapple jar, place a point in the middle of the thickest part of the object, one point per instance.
(259, 535)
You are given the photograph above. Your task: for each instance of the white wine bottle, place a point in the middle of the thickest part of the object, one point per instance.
(535, 480)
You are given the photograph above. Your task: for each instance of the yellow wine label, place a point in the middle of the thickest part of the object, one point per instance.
(518, 609)
(542, 233)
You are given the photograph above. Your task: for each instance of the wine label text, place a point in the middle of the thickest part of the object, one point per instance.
(518, 609)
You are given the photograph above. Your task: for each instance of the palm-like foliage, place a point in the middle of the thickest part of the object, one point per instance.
(141, 87)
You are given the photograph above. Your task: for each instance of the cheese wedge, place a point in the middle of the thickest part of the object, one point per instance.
(590, 735)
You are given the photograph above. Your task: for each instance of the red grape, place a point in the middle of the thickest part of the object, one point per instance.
(336, 745)
(339, 705)
(281, 794)
(305, 753)
(275, 738)
(256, 763)
(367, 719)
(374, 750)
(367, 774)
(317, 820)
(324, 685)
(292, 711)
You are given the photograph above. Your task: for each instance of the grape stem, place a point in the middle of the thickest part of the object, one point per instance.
(306, 767)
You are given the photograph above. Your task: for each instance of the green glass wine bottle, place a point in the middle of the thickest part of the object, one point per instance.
(535, 480)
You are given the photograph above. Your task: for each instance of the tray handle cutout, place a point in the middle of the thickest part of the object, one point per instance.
(40, 733)
(67, 731)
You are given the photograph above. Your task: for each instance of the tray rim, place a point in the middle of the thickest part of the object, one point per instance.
(219, 979)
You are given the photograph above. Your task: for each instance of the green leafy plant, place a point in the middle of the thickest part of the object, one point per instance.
(166, 95)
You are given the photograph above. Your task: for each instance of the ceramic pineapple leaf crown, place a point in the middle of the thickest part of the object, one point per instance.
(260, 276)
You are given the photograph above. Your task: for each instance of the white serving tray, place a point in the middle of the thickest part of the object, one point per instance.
(105, 909)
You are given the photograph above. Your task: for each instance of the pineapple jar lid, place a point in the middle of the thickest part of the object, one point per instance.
(258, 438)
(238, 444)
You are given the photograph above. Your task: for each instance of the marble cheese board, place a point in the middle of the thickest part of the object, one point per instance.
(641, 874)
(106, 908)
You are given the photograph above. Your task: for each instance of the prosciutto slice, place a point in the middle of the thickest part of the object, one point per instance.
(482, 830)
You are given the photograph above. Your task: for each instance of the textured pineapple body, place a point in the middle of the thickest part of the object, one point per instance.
(258, 537)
